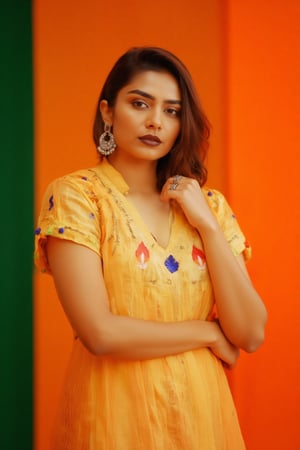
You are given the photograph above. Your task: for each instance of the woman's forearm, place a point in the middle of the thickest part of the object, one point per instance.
(241, 312)
(133, 339)
(81, 288)
(129, 338)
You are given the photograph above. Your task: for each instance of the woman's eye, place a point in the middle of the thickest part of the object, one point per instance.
(173, 112)
(139, 104)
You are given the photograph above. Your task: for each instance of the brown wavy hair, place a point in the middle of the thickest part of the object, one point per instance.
(188, 154)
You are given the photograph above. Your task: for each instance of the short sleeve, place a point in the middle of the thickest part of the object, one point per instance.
(229, 224)
(69, 211)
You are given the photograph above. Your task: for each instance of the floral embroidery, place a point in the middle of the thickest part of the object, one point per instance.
(61, 230)
(142, 255)
(199, 258)
(92, 216)
(209, 193)
(37, 231)
(51, 203)
(171, 264)
(247, 245)
(49, 231)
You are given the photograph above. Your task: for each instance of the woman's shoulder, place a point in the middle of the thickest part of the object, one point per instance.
(79, 176)
(215, 198)
(81, 180)
(228, 222)
(70, 192)
(100, 178)
(219, 204)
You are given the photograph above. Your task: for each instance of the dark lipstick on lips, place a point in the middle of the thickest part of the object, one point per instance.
(150, 139)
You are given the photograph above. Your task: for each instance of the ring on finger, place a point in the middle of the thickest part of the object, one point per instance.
(177, 178)
(173, 186)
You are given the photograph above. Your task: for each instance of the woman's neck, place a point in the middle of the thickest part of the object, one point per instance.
(140, 175)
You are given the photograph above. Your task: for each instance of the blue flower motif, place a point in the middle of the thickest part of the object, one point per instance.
(171, 264)
(37, 231)
(209, 193)
(92, 216)
(61, 230)
(51, 202)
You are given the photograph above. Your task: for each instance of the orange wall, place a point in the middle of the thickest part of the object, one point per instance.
(247, 73)
(264, 162)
(75, 44)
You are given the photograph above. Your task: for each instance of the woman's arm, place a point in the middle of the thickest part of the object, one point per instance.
(241, 312)
(80, 286)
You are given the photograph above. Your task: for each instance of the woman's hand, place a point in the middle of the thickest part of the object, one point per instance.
(188, 194)
(241, 311)
(223, 349)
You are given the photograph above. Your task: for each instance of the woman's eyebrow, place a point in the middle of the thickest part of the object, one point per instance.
(146, 95)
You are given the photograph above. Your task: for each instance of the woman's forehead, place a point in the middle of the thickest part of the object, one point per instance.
(154, 83)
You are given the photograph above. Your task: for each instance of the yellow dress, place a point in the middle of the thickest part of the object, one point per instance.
(180, 402)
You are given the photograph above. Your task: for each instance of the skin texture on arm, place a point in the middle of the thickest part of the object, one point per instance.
(80, 286)
(241, 312)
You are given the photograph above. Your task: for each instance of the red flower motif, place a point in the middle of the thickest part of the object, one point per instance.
(199, 257)
(142, 255)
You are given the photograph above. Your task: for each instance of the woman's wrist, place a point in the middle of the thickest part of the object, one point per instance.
(208, 228)
(208, 333)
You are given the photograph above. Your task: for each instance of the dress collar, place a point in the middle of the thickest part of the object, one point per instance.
(113, 175)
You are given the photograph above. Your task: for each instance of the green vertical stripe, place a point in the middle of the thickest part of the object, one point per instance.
(16, 203)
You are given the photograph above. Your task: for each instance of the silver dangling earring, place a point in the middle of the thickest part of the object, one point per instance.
(106, 141)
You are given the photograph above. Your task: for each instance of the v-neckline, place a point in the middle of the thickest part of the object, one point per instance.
(139, 220)
(115, 178)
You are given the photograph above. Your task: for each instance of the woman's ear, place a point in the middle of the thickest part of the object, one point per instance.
(106, 112)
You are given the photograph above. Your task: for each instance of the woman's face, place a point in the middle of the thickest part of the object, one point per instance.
(146, 115)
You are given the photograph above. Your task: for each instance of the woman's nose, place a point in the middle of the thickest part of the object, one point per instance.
(154, 119)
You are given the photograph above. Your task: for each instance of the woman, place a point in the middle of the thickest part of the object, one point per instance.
(142, 256)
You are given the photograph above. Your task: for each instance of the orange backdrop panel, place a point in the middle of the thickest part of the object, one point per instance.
(75, 45)
(264, 162)
(247, 74)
